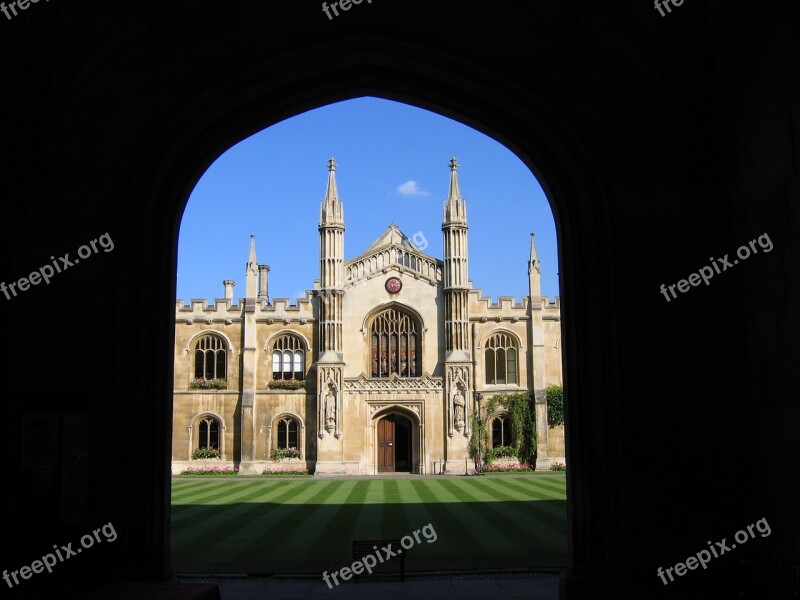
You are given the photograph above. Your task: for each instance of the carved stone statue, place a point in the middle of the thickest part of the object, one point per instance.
(330, 410)
(458, 408)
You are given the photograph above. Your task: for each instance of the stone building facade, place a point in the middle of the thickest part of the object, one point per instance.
(389, 355)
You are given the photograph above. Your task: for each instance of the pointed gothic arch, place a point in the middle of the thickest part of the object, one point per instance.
(546, 146)
(394, 424)
(207, 430)
(395, 336)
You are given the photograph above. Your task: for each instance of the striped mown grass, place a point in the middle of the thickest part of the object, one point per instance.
(306, 526)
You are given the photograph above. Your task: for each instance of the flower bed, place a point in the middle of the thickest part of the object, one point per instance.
(229, 471)
(508, 468)
(289, 472)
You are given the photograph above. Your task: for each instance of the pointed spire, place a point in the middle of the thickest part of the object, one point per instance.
(455, 192)
(331, 209)
(252, 266)
(332, 193)
(455, 209)
(534, 263)
(251, 272)
(534, 272)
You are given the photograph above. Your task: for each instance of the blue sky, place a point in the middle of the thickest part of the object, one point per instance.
(392, 167)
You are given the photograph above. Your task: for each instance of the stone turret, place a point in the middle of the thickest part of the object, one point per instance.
(459, 392)
(330, 364)
(228, 284)
(456, 270)
(331, 270)
(249, 364)
(263, 283)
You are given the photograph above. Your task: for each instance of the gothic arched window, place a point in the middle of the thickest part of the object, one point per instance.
(208, 432)
(288, 358)
(501, 359)
(501, 432)
(210, 357)
(287, 433)
(394, 344)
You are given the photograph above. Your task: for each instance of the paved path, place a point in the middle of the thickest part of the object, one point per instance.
(537, 587)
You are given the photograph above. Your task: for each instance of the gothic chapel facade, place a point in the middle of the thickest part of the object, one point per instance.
(378, 369)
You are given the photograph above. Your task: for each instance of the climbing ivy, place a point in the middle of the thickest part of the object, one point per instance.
(521, 412)
(555, 405)
(477, 425)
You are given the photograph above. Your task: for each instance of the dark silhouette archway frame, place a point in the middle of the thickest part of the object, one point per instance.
(281, 87)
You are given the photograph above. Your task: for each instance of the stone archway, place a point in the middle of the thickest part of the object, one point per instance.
(394, 444)
(262, 86)
(396, 441)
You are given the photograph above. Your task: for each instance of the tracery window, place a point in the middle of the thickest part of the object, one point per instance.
(287, 433)
(210, 357)
(208, 434)
(394, 344)
(288, 358)
(501, 359)
(501, 432)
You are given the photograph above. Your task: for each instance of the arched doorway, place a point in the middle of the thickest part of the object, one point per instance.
(394, 444)
(396, 438)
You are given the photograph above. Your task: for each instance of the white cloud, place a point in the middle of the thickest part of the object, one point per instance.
(411, 188)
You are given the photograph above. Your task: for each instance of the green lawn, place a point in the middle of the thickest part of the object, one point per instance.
(307, 526)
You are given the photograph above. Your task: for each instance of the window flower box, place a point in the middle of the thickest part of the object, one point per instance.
(287, 384)
(208, 384)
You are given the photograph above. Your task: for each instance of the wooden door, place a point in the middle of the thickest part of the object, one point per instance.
(386, 444)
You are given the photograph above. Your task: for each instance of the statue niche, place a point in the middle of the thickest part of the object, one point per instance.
(329, 409)
(458, 408)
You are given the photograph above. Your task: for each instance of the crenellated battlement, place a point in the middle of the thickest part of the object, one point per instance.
(554, 303)
(488, 308)
(279, 308)
(478, 300)
(201, 306)
(302, 307)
